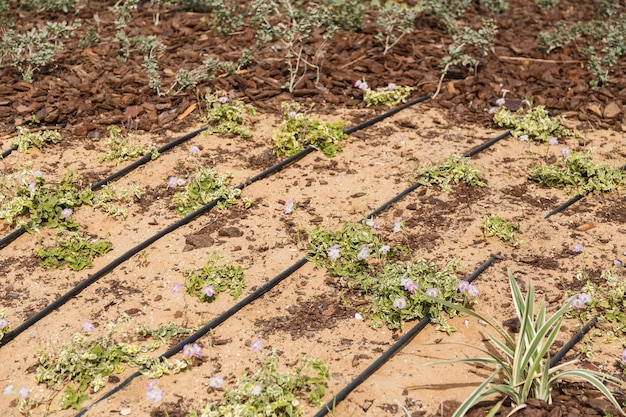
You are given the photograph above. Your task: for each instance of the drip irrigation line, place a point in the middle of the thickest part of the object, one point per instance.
(8, 152)
(485, 145)
(402, 341)
(145, 159)
(572, 200)
(575, 339)
(128, 254)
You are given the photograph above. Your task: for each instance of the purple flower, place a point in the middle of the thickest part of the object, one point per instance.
(216, 382)
(31, 186)
(500, 101)
(289, 206)
(373, 224)
(585, 298)
(504, 91)
(23, 393)
(37, 174)
(432, 292)
(333, 252)
(151, 384)
(257, 345)
(472, 291)
(66, 212)
(4, 323)
(493, 110)
(397, 225)
(623, 358)
(208, 291)
(172, 182)
(194, 150)
(192, 350)
(576, 302)
(617, 263)
(223, 100)
(364, 252)
(552, 140)
(154, 395)
(577, 247)
(463, 286)
(8, 389)
(391, 86)
(362, 85)
(176, 288)
(292, 114)
(412, 288)
(399, 303)
(524, 138)
(256, 390)
(87, 327)
(565, 152)
(384, 249)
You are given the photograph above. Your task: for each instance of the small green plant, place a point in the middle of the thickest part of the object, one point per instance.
(4, 323)
(448, 10)
(453, 170)
(579, 173)
(162, 335)
(523, 364)
(500, 228)
(392, 95)
(468, 47)
(119, 148)
(547, 4)
(73, 250)
(224, 115)
(64, 6)
(152, 48)
(34, 49)
(83, 366)
(495, 6)
(36, 203)
(203, 187)
(105, 197)
(90, 38)
(214, 278)
(297, 131)
(534, 122)
(271, 392)
(26, 140)
(394, 21)
(122, 11)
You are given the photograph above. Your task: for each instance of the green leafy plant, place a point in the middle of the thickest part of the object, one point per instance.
(453, 170)
(214, 278)
(224, 115)
(495, 6)
(523, 364)
(394, 21)
(72, 250)
(152, 48)
(448, 10)
(547, 4)
(500, 228)
(203, 187)
(64, 6)
(119, 148)
(26, 140)
(297, 131)
(392, 95)
(122, 11)
(534, 122)
(4, 323)
(83, 366)
(579, 173)
(34, 49)
(271, 392)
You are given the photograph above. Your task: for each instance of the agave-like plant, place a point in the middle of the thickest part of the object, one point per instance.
(524, 364)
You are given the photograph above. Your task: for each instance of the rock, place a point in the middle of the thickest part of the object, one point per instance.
(230, 232)
(611, 110)
(594, 108)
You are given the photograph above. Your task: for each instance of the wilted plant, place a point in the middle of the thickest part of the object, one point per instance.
(297, 131)
(205, 186)
(453, 170)
(523, 364)
(25, 139)
(394, 21)
(503, 230)
(579, 173)
(34, 49)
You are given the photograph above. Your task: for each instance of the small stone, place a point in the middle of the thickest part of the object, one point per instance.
(611, 110)
(125, 411)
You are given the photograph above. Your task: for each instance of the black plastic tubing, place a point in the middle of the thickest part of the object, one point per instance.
(8, 152)
(128, 254)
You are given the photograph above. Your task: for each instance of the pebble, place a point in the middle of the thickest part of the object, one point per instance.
(125, 411)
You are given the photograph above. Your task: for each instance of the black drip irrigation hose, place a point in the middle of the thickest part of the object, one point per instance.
(572, 200)
(8, 152)
(145, 159)
(405, 339)
(128, 254)
(276, 280)
(575, 339)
